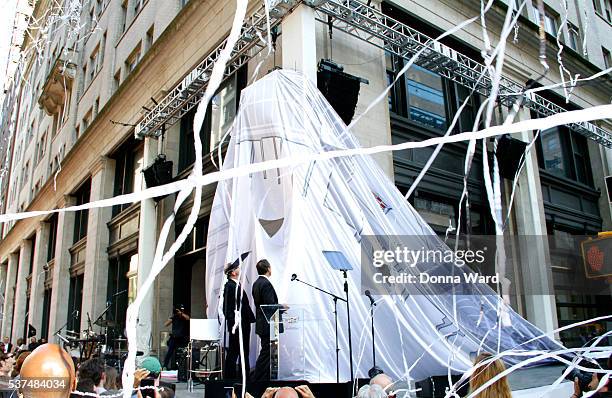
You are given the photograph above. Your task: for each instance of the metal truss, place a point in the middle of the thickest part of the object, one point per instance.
(376, 28)
(188, 93)
(373, 27)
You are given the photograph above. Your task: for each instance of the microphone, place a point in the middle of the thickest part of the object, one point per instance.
(369, 295)
(293, 277)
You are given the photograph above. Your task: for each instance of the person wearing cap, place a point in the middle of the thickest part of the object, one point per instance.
(180, 332)
(230, 306)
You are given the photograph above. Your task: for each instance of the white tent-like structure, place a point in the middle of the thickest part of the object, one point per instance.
(290, 216)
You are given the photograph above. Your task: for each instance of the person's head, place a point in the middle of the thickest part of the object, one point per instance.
(383, 381)
(20, 341)
(232, 270)
(371, 391)
(153, 365)
(33, 339)
(264, 267)
(485, 370)
(92, 369)
(5, 340)
(19, 363)
(166, 392)
(286, 392)
(111, 378)
(50, 361)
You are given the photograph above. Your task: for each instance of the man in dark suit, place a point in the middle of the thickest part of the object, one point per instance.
(230, 293)
(263, 294)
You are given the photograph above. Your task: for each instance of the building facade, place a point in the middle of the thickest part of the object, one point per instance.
(81, 94)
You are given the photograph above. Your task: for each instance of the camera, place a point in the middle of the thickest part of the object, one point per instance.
(584, 378)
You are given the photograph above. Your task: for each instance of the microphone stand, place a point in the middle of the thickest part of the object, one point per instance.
(348, 314)
(335, 298)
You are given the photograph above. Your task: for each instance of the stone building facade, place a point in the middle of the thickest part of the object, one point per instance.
(79, 99)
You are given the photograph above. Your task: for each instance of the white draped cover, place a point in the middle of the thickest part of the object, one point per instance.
(291, 215)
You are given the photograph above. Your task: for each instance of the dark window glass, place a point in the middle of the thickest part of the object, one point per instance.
(27, 318)
(75, 299)
(81, 216)
(426, 97)
(565, 153)
(52, 237)
(116, 291)
(46, 315)
(554, 158)
(128, 172)
(186, 148)
(32, 252)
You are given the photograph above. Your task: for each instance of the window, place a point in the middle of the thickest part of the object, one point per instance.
(75, 300)
(550, 20)
(123, 15)
(607, 58)
(32, 253)
(86, 120)
(608, 5)
(96, 107)
(565, 153)
(117, 80)
(138, 4)
(575, 43)
(149, 39)
(52, 237)
(46, 314)
(81, 216)
(597, 6)
(425, 97)
(77, 131)
(219, 117)
(128, 171)
(132, 61)
(93, 64)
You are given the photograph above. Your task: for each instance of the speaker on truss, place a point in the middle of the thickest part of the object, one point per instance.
(159, 173)
(339, 88)
(509, 154)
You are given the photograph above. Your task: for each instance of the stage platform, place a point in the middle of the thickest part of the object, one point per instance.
(526, 383)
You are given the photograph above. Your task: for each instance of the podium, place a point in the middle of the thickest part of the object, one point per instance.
(291, 328)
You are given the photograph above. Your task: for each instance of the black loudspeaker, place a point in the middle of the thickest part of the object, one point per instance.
(182, 364)
(339, 88)
(159, 173)
(435, 387)
(509, 153)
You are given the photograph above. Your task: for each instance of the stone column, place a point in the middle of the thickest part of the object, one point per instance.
(299, 42)
(147, 240)
(37, 292)
(540, 307)
(19, 312)
(61, 274)
(7, 311)
(95, 279)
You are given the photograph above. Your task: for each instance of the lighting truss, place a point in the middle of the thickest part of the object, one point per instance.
(373, 27)
(376, 28)
(188, 93)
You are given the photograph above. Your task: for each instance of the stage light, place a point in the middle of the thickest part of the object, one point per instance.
(509, 151)
(280, 8)
(339, 88)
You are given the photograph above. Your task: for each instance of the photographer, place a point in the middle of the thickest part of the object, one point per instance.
(603, 392)
(180, 332)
